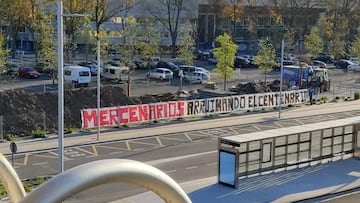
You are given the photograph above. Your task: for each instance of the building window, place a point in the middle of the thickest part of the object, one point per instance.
(164, 34)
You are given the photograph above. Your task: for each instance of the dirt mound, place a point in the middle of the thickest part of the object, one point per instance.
(262, 87)
(24, 112)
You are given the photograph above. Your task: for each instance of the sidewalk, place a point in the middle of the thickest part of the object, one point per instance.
(88, 138)
(282, 187)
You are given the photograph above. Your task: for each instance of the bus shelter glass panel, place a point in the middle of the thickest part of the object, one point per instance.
(315, 143)
(267, 153)
(227, 168)
(357, 141)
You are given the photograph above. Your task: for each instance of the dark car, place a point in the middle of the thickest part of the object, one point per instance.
(169, 65)
(343, 64)
(325, 58)
(242, 62)
(28, 72)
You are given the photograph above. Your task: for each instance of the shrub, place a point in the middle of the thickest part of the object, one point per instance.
(125, 126)
(9, 137)
(38, 133)
(357, 95)
(324, 99)
(69, 130)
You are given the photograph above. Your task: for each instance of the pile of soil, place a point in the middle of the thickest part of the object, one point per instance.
(262, 87)
(24, 112)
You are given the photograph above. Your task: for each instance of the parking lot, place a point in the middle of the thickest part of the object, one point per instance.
(342, 83)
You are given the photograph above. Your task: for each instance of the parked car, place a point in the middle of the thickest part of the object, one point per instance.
(197, 77)
(325, 58)
(77, 75)
(91, 65)
(170, 66)
(343, 64)
(141, 63)
(319, 64)
(160, 73)
(115, 73)
(189, 69)
(12, 68)
(355, 67)
(28, 72)
(241, 62)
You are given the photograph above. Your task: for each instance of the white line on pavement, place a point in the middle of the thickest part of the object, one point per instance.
(41, 163)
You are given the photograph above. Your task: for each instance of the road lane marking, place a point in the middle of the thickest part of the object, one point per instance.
(110, 147)
(278, 124)
(159, 141)
(94, 153)
(171, 138)
(191, 167)
(26, 159)
(40, 163)
(171, 171)
(299, 121)
(56, 156)
(257, 128)
(210, 164)
(144, 143)
(187, 136)
(128, 145)
(119, 152)
(233, 130)
(138, 149)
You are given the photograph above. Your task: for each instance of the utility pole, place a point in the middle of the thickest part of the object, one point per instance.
(1, 128)
(281, 76)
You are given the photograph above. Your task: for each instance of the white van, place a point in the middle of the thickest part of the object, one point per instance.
(115, 73)
(77, 75)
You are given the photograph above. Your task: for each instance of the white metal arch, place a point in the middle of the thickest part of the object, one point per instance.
(11, 180)
(100, 172)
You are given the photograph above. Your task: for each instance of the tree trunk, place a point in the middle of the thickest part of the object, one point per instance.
(265, 77)
(13, 44)
(173, 49)
(225, 81)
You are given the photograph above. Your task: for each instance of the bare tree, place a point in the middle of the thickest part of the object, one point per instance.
(167, 12)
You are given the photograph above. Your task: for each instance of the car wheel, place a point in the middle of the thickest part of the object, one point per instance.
(161, 78)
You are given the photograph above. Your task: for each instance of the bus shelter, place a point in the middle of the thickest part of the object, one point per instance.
(287, 148)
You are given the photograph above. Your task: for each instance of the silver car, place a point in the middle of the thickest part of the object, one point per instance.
(197, 77)
(161, 74)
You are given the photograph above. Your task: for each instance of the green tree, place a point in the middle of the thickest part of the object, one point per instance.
(72, 25)
(3, 54)
(149, 42)
(46, 44)
(129, 35)
(186, 47)
(15, 13)
(225, 57)
(355, 48)
(313, 42)
(265, 58)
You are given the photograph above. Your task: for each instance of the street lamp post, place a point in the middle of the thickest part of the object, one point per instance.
(98, 89)
(281, 76)
(60, 30)
(60, 38)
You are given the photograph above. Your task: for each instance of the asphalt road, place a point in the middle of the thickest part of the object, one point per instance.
(185, 156)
